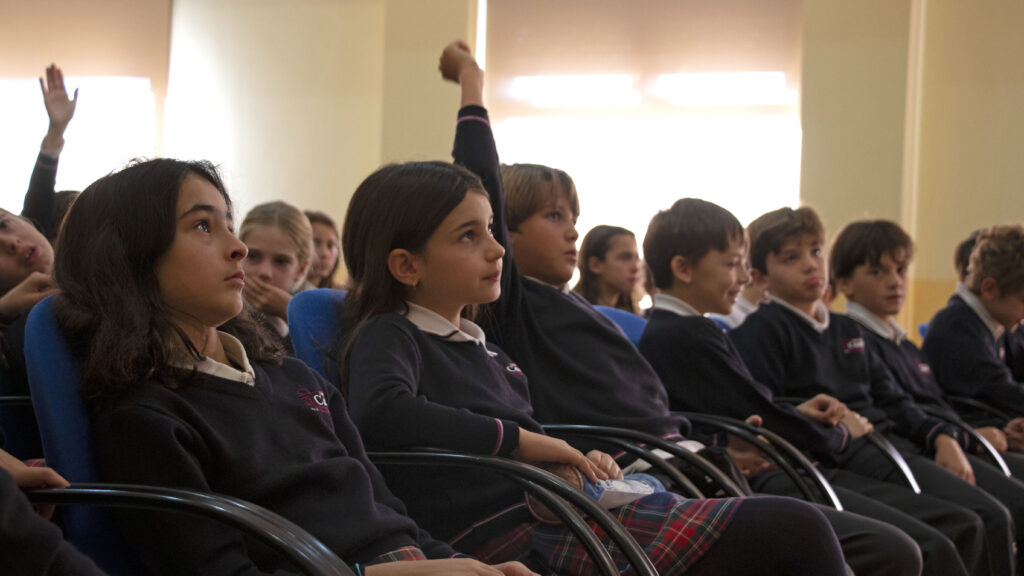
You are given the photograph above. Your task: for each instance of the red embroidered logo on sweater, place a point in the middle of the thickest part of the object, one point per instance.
(314, 399)
(513, 368)
(924, 368)
(852, 345)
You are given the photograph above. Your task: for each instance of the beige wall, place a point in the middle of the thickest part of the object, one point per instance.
(912, 112)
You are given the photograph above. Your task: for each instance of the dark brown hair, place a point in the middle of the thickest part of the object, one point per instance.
(962, 255)
(398, 206)
(769, 232)
(865, 242)
(690, 228)
(110, 306)
(595, 244)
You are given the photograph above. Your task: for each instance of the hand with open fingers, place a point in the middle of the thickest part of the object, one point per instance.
(27, 294)
(266, 298)
(453, 566)
(747, 457)
(59, 108)
(605, 463)
(824, 409)
(539, 448)
(857, 424)
(995, 437)
(949, 455)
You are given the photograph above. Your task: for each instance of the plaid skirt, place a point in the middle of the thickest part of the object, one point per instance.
(673, 531)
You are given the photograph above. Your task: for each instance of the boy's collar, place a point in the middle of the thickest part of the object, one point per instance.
(433, 323)
(675, 305)
(974, 302)
(239, 371)
(819, 322)
(564, 288)
(886, 328)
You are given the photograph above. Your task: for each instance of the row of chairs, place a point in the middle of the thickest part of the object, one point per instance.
(67, 446)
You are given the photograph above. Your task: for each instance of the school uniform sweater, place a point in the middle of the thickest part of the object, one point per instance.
(582, 368)
(703, 372)
(284, 442)
(962, 350)
(1013, 351)
(409, 387)
(784, 351)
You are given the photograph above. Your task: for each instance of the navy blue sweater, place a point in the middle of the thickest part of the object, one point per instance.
(408, 388)
(785, 353)
(582, 368)
(286, 444)
(1013, 349)
(703, 372)
(964, 357)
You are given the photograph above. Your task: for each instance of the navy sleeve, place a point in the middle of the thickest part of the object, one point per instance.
(911, 421)
(349, 436)
(139, 445)
(391, 413)
(475, 149)
(965, 362)
(29, 544)
(39, 198)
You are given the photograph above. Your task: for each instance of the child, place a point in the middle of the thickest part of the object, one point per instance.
(609, 268)
(326, 248)
(150, 271)
(796, 347)
(869, 263)
(421, 374)
(280, 242)
(962, 340)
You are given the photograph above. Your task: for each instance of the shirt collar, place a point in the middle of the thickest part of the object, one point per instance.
(974, 302)
(239, 371)
(675, 305)
(887, 328)
(819, 322)
(564, 288)
(433, 323)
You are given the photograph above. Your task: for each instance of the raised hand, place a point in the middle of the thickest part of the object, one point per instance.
(458, 65)
(59, 108)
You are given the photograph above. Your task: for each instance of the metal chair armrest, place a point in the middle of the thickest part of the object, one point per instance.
(966, 402)
(300, 547)
(15, 400)
(993, 455)
(781, 452)
(601, 432)
(895, 458)
(551, 490)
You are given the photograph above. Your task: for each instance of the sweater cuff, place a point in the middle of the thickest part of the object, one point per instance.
(47, 161)
(843, 436)
(474, 112)
(950, 430)
(508, 437)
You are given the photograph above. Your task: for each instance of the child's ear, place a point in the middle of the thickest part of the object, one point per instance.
(988, 290)
(595, 264)
(760, 279)
(402, 266)
(844, 286)
(681, 269)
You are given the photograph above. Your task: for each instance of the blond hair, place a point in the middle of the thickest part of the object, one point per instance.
(286, 218)
(528, 187)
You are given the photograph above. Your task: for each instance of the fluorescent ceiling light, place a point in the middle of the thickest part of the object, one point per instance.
(725, 89)
(576, 91)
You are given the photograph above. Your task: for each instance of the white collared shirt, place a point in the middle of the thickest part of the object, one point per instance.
(975, 303)
(886, 328)
(433, 323)
(675, 305)
(235, 352)
(820, 319)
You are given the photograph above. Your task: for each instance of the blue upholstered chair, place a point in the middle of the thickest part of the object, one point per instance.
(631, 324)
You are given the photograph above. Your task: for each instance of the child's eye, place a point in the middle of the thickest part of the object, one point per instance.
(554, 216)
(468, 236)
(282, 261)
(490, 230)
(3, 224)
(202, 226)
(816, 252)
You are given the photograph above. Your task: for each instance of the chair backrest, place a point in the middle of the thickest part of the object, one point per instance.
(922, 329)
(630, 323)
(314, 325)
(66, 433)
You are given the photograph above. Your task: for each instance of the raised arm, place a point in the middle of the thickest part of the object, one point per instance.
(60, 110)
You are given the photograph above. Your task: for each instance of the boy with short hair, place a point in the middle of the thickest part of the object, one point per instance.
(869, 263)
(962, 343)
(794, 345)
